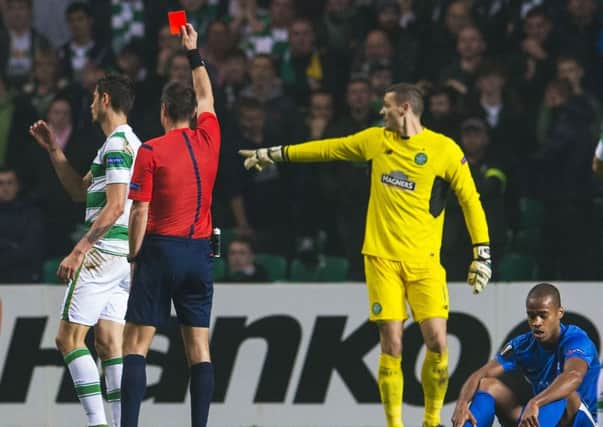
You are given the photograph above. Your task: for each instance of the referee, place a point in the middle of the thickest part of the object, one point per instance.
(169, 236)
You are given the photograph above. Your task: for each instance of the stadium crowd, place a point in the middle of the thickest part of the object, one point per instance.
(515, 82)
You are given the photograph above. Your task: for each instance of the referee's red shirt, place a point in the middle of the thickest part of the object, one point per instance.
(176, 174)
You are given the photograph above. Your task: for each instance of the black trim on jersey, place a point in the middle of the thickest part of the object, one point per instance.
(146, 147)
(198, 182)
(439, 194)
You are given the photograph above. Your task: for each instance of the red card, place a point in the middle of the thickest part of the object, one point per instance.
(176, 19)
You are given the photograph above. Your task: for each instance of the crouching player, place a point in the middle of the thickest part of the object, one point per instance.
(559, 361)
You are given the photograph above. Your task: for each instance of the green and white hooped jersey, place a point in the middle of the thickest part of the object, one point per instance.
(113, 164)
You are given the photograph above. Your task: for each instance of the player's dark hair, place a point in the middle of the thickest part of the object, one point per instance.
(545, 290)
(78, 6)
(406, 92)
(120, 90)
(179, 100)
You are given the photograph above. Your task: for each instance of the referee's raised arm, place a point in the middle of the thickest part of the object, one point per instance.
(201, 82)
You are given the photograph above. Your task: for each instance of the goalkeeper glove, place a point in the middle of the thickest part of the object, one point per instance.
(480, 270)
(262, 157)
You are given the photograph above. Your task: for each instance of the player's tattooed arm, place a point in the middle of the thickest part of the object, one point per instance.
(96, 233)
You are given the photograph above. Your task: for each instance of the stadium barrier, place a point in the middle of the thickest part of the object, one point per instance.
(286, 355)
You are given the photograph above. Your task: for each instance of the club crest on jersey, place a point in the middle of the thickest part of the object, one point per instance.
(398, 179)
(421, 159)
(377, 308)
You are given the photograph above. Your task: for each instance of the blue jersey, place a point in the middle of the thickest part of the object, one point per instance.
(542, 365)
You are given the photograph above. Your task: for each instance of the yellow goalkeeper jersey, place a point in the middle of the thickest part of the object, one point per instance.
(410, 178)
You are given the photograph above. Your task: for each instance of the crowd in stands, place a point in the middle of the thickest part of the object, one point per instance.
(516, 83)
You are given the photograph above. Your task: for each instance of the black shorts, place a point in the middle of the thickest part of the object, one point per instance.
(172, 269)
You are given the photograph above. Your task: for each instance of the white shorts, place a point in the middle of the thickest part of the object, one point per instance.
(99, 290)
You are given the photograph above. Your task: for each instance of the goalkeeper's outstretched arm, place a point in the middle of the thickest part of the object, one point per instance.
(353, 148)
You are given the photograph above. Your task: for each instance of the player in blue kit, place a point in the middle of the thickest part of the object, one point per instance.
(560, 362)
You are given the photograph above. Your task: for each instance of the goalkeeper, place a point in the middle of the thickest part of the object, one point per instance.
(412, 169)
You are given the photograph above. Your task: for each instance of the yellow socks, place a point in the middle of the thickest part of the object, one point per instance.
(434, 376)
(390, 387)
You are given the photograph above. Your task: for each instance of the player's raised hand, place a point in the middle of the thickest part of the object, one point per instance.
(43, 135)
(461, 415)
(189, 36)
(261, 157)
(480, 269)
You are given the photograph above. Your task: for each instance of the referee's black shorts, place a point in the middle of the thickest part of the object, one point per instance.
(172, 269)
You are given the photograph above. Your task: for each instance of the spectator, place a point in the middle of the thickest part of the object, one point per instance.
(563, 167)
(82, 47)
(460, 74)
(47, 81)
(167, 46)
(61, 213)
(491, 181)
(21, 244)
(380, 78)
(442, 113)
(267, 34)
(342, 27)
(258, 202)
(398, 21)
(265, 87)
(533, 63)
(218, 43)
(18, 46)
(441, 41)
(580, 33)
(570, 69)
(376, 48)
(302, 67)
(200, 13)
(235, 78)
(306, 186)
(16, 113)
(241, 263)
(346, 185)
(499, 107)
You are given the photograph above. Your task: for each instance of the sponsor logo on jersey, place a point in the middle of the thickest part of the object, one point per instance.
(574, 351)
(421, 159)
(398, 179)
(134, 186)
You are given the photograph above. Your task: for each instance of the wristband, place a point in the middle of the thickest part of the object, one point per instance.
(194, 59)
(131, 259)
(599, 150)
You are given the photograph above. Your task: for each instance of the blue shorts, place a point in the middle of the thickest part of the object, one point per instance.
(172, 269)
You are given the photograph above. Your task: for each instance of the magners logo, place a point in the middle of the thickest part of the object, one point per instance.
(398, 179)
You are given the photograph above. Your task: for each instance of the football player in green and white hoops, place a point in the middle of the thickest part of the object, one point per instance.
(96, 270)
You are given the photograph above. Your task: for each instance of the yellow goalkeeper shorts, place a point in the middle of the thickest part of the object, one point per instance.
(391, 284)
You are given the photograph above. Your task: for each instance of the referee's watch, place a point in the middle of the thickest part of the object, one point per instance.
(131, 259)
